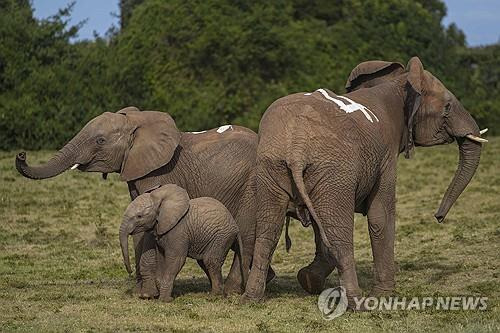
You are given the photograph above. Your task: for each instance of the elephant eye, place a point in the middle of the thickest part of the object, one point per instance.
(447, 108)
(139, 216)
(100, 141)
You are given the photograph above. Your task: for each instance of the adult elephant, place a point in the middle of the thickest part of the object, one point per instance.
(148, 150)
(338, 155)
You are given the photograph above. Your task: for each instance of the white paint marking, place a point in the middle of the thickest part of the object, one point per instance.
(362, 107)
(348, 108)
(197, 132)
(224, 128)
(75, 166)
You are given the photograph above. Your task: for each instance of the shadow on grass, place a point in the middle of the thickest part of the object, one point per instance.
(191, 285)
(282, 285)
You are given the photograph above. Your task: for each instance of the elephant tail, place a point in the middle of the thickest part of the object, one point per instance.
(301, 187)
(288, 240)
(244, 273)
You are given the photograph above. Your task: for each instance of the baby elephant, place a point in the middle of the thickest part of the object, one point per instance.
(201, 228)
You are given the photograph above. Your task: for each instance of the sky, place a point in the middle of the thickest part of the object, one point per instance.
(479, 19)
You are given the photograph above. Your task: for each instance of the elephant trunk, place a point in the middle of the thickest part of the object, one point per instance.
(60, 162)
(470, 152)
(126, 229)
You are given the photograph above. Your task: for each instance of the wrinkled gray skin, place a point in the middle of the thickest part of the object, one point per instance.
(339, 163)
(148, 150)
(201, 228)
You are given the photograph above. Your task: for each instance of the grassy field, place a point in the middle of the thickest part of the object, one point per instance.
(61, 267)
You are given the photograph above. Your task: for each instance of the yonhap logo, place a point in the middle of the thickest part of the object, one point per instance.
(332, 302)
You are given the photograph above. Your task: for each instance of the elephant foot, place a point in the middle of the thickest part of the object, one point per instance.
(137, 289)
(256, 285)
(247, 299)
(381, 290)
(233, 287)
(148, 295)
(311, 281)
(353, 307)
(165, 299)
(217, 294)
(149, 290)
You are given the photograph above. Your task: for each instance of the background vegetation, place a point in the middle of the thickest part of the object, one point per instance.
(210, 62)
(61, 268)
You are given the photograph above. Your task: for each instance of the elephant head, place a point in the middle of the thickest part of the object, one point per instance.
(161, 210)
(432, 116)
(130, 142)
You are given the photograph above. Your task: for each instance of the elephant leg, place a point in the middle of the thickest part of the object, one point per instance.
(246, 223)
(272, 202)
(312, 278)
(214, 267)
(146, 262)
(381, 227)
(245, 218)
(204, 268)
(341, 255)
(234, 281)
(334, 201)
(170, 266)
(138, 246)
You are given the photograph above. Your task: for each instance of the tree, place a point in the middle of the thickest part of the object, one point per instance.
(177, 56)
(480, 92)
(215, 62)
(48, 87)
(126, 8)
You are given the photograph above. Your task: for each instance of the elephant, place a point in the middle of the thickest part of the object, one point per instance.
(338, 155)
(147, 150)
(201, 228)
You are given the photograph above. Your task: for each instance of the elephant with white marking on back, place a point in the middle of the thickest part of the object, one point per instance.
(339, 153)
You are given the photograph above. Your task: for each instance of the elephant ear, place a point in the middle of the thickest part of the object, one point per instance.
(371, 73)
(415, 74)
(127, 109)
(174, 205)
(153, 144)
(413, 100)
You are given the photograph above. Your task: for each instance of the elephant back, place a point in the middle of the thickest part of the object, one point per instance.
(210, 215)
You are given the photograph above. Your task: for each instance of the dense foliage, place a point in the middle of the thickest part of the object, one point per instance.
(49, 88)
(210, 62)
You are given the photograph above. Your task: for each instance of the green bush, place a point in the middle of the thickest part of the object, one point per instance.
(49, 88)
(213, 62)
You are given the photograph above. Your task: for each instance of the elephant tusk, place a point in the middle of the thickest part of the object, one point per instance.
(75, 166)
(475, 138)
(483, 131)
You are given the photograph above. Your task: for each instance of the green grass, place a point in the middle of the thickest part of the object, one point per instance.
(61, 268)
